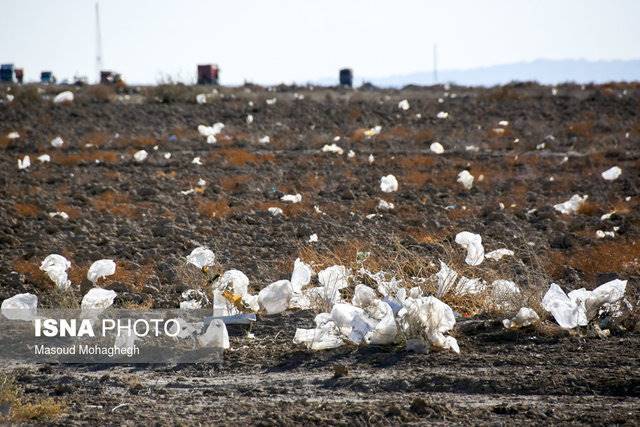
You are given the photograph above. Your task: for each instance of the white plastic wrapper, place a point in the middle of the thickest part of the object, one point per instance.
(66, 96)
(101, 268)
(572, 205)
(525, 317)
(503, 288)
(432, 318)
(56, 266)
(467, 286)
(466, 179)
(442, 115)
(503, 123)
(498, 254)
(335, 277)
(57, 142)
(301, 275)
(612, 174)
(196, 161)
(373, 131)
(44, 158)
(473, 244)
(24, 163)
(201, 98)
(313, 238)
(385, 206)
(216, 335)
(292, 198)
(332, 148)
(62, 215)
(275, 211)
(446, 279)
(193, 299)
(271, 101)
(97, 300)
(436, 148)
(404, 105)
(140, 156)
(13, 135)
(324, 336)
(363, 296)
(20, 307)
(249, 119)
(567, 310)
(264, 140)
(201, 257)
(388, 184)
(275, 298)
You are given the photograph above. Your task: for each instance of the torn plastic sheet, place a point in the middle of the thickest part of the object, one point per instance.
(201, 257)
(525, 317)
(572, 205)
(275, 297)
(431, 318)
(473, 244)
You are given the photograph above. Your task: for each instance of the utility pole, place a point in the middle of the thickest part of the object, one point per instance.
(435, 63)
(98, 43)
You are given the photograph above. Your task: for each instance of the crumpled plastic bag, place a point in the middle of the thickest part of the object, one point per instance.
(292, 198)
(436, 148)
(612, 174)
(431, 318)
(193, 299)
(323, 337)
(201, 98)
(466, 179)
(97, 300)
(44, 158)
(580, 306)
(216, 335)
(66, 96)
(446, 279)
(100, 269)
(525, 317)
(24, 163)
(140, 156)
(275, 297)
(388, 184)
(498, 254)
(332, 148)
(403, 105)
(56, 266)
(473, 244)
(373, 131)
(236, 283)
(335, 277)
(572, 205)
(202, 257)
(467, 286)
(57, 142)
(20, 307)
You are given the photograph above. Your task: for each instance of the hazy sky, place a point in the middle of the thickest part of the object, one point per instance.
(272, 41)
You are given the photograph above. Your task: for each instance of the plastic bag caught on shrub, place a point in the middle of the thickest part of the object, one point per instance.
(201, 257)
(431, 318)
(20, 307)
(56, 266)
(275, 297)
(525, 317)
(101, 268)
(97, 300)
(473, 244)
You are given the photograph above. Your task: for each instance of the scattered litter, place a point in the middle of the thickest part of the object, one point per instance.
(275, 211)
(525, 317)
(97, 300)
(442, 115)
(249, 119)
(572, 205)
(503, 123)
(275, 298)
(373, 131)
(193, 299)
(167, 156)
(57, 142)
(473, 244)
(503, 288)
(140, 156)
(56, 266)
(371, 159)
(473, 148)
(403, 105)
(264, 140)
(20, 307)
(62, 215)
(293, 198)
(201, 98)
(388, 184)
(201, 182)
(336, 138)
(384, 205)
(196, 161)
(602, 234)
(351, 154)
(44, 158)
(466, 179)
(202, 257)
(498, 254)
(437, 148)
(13, 135)
(271, 101)
(612, 174)
(66, 96)
(101, 268)
(24, 163)
(187, 192)
(333, 148)
(216, 335)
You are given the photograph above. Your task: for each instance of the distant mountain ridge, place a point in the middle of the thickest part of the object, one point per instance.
(544, 71)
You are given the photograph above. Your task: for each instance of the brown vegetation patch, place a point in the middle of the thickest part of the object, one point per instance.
(26, 209)
(134, 277)
(110, 157)
(31, 270)
(117, 204)
(231, 183)
(213, 208)
(97, 139)
(70, 210)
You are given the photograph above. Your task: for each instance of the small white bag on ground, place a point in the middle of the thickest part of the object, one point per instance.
(66, 96)
(201, 257)
(56, 266)
(325, 335)
(275, 298)
(572, 205)
(20, 307)
(216, 335)
(97, 300)
(100, 269)
(525, 317)
(473, 244)
(388, 184)
(430, 317)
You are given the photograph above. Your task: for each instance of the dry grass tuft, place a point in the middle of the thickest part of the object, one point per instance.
(117, 204)
(33, 274)
(26, 209)
(213, 209)
(21, 411)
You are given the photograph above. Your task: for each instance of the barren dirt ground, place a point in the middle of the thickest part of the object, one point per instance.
(135, 214)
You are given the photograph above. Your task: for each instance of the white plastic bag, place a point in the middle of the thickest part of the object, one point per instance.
(466, 179)
(20, 307)
(446, 279)
(436, 148)
(403, 105)
(498, 254)
(473, 244)
(100, 269)
(433, 318)
(57, 142)
(66, 96)
(275, 298)
(97, 300)
(612, 174)
(140, 156)
(388, 184)
(525, 317)
(201, 257)
(572, 205)
(24, 163)
(216, 335)
(201, 98)
(292, 198)
(56, 266)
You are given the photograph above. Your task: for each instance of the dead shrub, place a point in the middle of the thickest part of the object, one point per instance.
(20, 410)
(99, 93)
